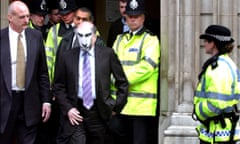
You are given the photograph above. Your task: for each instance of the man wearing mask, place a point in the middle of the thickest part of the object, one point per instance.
(70, 41)
(82, 88)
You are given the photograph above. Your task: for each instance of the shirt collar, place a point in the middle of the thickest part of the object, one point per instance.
(14, 33)
(90, 52)
(137, 31)
(123, 20)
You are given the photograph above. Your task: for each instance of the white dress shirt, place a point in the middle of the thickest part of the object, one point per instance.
(13, 39)
(92, 62)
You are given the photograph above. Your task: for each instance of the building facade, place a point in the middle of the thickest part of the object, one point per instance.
(182, 55)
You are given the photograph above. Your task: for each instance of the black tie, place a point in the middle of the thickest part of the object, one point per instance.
(130, 35)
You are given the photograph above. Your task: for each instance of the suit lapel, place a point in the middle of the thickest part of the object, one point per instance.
(98, 57)
(6, 59)
(75, 62)
(31, 55)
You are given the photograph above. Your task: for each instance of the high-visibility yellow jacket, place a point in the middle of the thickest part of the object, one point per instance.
(140, 58)
(43, 30)
(52, 43)
(216, 94)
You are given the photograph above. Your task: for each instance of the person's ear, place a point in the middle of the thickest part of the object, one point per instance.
(94, 38)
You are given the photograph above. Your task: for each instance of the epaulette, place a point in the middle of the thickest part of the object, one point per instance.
(214, 64)
(150, 32)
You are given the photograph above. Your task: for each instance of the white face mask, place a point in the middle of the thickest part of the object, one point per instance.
(85, 39)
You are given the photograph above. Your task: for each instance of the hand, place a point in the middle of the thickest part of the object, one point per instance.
(113, 113)
(46, 111)
(74, 116)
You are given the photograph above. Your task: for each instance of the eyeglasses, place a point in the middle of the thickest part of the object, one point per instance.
(81, 18)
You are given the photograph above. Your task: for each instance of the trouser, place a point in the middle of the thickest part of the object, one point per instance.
(16, 127)
(133, 129)
(91, 131)
(47, 132)
(95, 128)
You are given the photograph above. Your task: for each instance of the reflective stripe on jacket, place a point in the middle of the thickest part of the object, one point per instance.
(217, 92)
(52, 43)
(140, 58)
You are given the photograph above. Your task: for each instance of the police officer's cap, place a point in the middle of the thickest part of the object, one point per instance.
(135, 7)
(218, 33)
(38, 7)
(52, 4)
(67, 6)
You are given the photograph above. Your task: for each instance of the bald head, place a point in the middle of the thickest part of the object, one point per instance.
(86, 34)
(15, 6)
(86, 26)
(18, 16)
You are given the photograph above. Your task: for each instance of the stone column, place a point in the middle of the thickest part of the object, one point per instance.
(179, 29)
(4, 9)
(182, 55)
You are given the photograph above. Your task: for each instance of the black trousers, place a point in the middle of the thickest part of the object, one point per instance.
(133, 129)
(16, 128)
(47, 132)
(95, 128)
(91, 131)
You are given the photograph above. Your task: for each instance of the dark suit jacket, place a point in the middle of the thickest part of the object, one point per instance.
(115, 29)
(36, 82)
(66, 83)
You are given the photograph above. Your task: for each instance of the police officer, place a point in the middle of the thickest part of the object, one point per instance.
(38, 11)
(54, 16)
(55, 34)
(139, 53)
(54, 37)
(218, 90)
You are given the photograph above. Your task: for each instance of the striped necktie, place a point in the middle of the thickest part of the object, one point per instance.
(87, 82)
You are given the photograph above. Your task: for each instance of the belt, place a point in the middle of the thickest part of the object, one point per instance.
(80, 104)
(18, 92)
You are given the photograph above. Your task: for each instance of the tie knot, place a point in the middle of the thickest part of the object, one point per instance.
(20, 36)
(86, 53)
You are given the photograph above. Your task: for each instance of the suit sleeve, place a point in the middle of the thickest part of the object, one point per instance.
(59, 85)
(44, 83)
(121, 83)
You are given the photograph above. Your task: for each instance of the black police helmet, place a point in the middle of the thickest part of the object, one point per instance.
(218, 33)
(67, 6)
(38, 7)
(135, 7)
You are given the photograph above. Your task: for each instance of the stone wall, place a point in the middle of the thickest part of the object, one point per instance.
(182, 55)
(4, 7)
